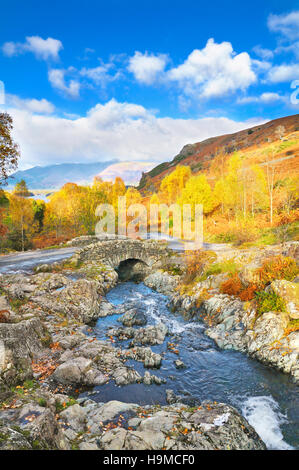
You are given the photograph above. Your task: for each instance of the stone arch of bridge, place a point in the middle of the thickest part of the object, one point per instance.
(132, 269)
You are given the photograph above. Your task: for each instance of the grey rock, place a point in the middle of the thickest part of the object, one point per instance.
(133, 317)
(125, 376)
(149, 379)
(88, 446)
(75, 417)
(162, 282)
(78, 371)
(22, 342)
(179, 364)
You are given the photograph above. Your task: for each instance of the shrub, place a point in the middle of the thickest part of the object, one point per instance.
(234, 286)
(45, 240)
(292, 326)
(278, 267)
(4, 316)
(268, 302)
(248, 293)
(195, 262)
(224, 237)
(42, 402)
(237, 235)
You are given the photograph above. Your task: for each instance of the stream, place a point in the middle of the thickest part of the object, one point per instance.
(266, 397)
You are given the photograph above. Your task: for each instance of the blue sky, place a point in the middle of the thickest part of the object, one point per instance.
(95, 80)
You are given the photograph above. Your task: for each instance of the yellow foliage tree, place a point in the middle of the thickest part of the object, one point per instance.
(173, 184)
(198, 191)
(21, 216)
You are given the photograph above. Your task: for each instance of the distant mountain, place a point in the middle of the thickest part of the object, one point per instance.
(55, 176)
(199, 156)
(130, 172)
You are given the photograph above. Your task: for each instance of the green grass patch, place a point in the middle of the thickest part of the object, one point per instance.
(269, 302)
(228, 266)
(60, 407)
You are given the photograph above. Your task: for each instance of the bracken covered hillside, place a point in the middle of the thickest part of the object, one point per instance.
(254, 141)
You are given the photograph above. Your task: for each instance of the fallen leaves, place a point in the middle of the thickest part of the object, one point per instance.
(4, 316)
(44, 368)
(55, 346)
(30, 418)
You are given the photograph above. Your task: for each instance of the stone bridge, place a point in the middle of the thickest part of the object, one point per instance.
(130, 258)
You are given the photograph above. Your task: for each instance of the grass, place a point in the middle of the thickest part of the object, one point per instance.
(16, 304)
(54, 247)
(269, 302)
(258, 237)
(42, 402)
(277, 267)
(27, 386)
(62, 406)
(228, 266)
(286, 144)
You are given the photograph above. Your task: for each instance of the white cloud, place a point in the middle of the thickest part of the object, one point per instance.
(9, 49)
(260, 65)
(42, 106)
(99, 75)
(125, 131)
(147, 67)
(290, 48)
(214, 71)
(42, 48)
(57, 80)
(69, 80)
(265, 98)
(269, 97)
(262, 52)
(283, 73)
(286, 24)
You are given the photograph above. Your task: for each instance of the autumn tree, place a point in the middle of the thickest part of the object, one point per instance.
(21, 189)
(290, 197)
(198, 191)
(4, 203)
(228, 190)
(39, 208)
(133, 196)
(256, 188)
(55, 215)
(271, 175)
(118, 189)
(280, 131)
(21, 217)
(9, 150)
(173, 184)
(99, 193)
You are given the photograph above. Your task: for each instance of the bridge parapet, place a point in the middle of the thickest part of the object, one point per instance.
(113, 251)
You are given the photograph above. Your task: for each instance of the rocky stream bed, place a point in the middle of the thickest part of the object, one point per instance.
(91, 363)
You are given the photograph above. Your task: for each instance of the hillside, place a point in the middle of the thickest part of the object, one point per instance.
(55, 176)
(254, 142)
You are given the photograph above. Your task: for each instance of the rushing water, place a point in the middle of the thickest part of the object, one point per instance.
(267, 398)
